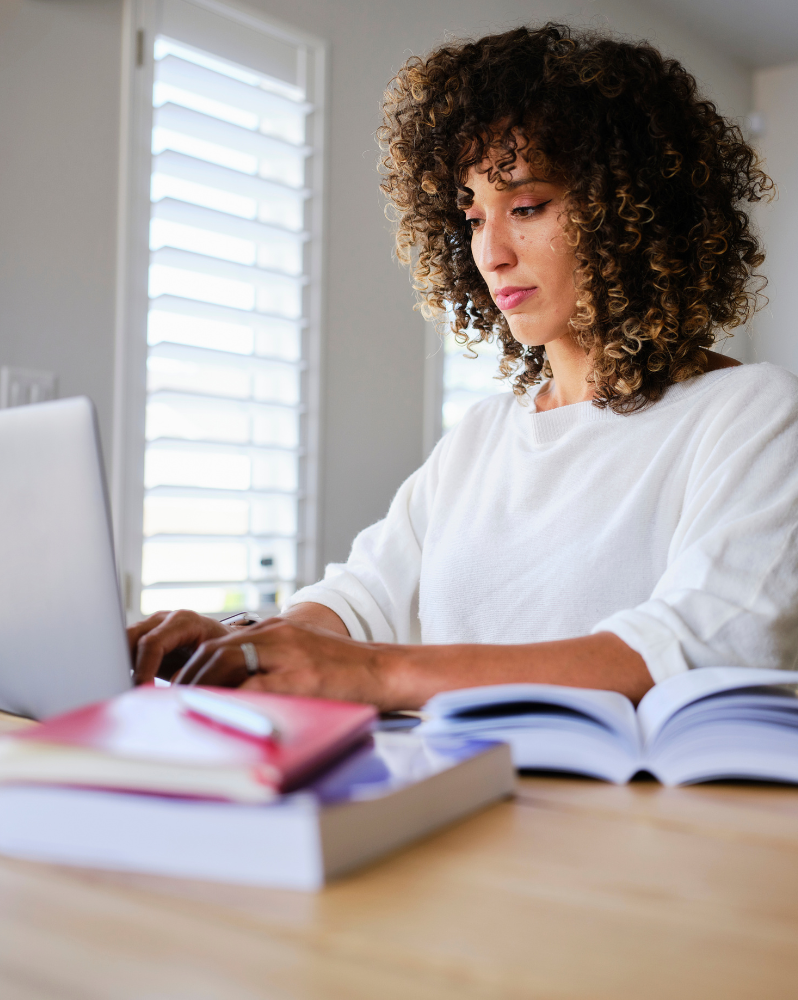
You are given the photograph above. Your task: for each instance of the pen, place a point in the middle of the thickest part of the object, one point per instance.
(229, 712)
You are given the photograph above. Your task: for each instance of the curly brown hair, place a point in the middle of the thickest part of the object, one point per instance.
(655, 182)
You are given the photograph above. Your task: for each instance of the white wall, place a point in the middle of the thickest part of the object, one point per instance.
(59, 129)
(59, 107)
(776, 98)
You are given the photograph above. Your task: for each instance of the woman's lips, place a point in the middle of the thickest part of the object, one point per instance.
(510, 297)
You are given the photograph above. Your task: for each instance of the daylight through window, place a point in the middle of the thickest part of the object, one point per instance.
(466, 379)
(228, 245)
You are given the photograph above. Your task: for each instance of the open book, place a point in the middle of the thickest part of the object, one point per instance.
(715, 722)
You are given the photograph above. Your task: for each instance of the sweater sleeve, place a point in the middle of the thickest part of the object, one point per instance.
(729, 594)
(375, 592)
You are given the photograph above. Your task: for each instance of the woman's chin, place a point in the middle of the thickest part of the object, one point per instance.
(532, 334)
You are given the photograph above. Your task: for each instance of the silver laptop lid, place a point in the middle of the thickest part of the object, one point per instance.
(62, 637)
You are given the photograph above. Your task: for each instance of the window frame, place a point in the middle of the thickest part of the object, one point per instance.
(142, 20)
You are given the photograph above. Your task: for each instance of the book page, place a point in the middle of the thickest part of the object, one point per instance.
(664, 700)
(608, 708)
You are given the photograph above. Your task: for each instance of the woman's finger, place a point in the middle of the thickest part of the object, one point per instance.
(135, 632)
(255, 636)
(287, 659)
(177, 629)
(218, 663)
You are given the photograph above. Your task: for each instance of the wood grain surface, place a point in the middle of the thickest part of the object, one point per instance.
(575, 889)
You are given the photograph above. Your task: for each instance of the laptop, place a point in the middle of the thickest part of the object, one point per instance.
(62, 634)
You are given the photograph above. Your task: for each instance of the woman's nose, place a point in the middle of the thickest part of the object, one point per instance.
(493, 248)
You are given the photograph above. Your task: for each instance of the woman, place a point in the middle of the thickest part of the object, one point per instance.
(630, 511)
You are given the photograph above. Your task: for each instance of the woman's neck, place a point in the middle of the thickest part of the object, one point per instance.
(570, 368)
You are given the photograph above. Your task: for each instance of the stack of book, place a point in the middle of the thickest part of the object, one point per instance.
(240, 787)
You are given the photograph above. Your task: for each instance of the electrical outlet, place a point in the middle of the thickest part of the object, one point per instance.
(20, 386)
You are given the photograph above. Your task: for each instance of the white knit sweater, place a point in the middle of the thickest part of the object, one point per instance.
(676, 528)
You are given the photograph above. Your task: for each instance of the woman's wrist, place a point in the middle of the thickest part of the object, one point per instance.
(402, 682)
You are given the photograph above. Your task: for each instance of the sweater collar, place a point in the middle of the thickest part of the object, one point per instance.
(550, 425)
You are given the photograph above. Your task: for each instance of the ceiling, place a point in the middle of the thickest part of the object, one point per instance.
(757, 33)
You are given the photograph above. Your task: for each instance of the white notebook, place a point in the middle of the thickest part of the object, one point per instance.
(712, 723)
(380, 798)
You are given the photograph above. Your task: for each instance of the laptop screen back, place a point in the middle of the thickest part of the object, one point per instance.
(62, 638)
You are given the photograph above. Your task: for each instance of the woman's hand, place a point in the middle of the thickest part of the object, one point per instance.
(294, 659)
(161, 644)
(290, 658)
(313, 656)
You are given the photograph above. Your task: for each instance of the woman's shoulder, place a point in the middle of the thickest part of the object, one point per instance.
(762, 386)
(480, 424)
(487, 413)
(763, 374)
(763, 383)
(498, 406)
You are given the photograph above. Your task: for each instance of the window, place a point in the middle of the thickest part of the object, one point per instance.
(455, 380)
(468, 379)
(227, 509)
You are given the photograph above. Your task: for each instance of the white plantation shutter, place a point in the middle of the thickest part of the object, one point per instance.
(229, 246)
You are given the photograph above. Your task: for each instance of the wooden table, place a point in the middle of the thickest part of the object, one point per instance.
(574, 890)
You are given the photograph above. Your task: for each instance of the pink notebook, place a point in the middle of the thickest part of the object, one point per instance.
(150, 740)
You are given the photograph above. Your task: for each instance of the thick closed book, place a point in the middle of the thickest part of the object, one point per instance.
(380, 797)
(163, 740)
(703, 725)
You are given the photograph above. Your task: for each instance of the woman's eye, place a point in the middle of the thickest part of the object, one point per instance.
(527, 211)
(520, 212)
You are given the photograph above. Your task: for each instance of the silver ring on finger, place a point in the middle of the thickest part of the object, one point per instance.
(250, 657)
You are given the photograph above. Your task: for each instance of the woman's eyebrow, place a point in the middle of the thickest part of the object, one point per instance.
(511, 185)
(464, 199)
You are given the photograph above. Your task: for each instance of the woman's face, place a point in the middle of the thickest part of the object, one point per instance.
(518, 245)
